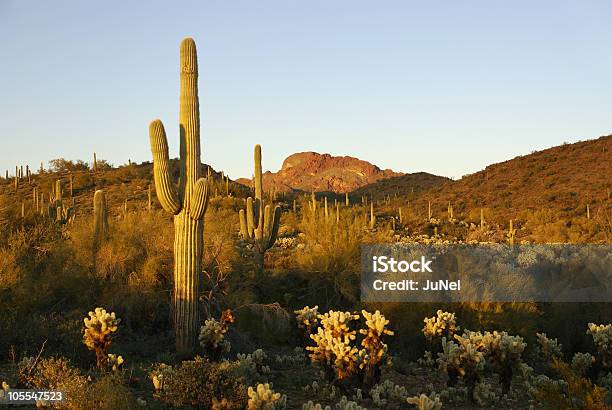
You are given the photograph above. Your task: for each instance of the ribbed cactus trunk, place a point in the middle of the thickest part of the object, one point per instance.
(100, 232)
(187, 203)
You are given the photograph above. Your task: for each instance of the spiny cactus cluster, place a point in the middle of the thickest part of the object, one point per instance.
(114, 361)
(212, 335)
(97, 335)
(386, 392)
(602, 337)
(501, 350)
(259, 223)
(548, 348)
(307, 318)
(159, 374)
(187, 202)
(441, 325)
(424, 402)
(262, 397)
(336, 347)
(462, 359)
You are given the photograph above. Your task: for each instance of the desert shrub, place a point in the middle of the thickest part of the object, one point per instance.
(56, 373)
(200, 383)
(574, 391)
(330, 247)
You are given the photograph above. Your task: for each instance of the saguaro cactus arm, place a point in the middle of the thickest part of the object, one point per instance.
(165, 189)
(273, 223)
(199, 199)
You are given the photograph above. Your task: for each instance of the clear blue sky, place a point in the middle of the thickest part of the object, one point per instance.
(445, 87)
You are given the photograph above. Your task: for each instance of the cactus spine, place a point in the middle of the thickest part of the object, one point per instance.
(260, 224)
(100, 218)
(187, 202)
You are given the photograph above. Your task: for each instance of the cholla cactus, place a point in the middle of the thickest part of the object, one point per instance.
(501, 349)
(307, 318)
(549, 348)
(4, 390)
(333, 344)
(581, 363)
(424, 402)
(114, 361)
(441, 325)
(463, 359)
(264, 398)
(484, 394)
(212, 335)
(97, 334)
(312, 406)
(374, 349)
(159, 375)
(346, 404)
(602, 337)
(388, 391)
(253, 363)
(336, 348)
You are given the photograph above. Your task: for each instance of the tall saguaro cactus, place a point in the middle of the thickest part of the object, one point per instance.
(187, 201)
(260, 224)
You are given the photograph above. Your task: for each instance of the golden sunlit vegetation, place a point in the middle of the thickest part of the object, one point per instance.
(88, 294)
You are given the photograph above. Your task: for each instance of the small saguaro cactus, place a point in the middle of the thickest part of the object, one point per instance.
(372, 216)
(588, 211)
(260, 224)
(429, 215)
(187, 201)
(400, 217)
(326, 209)
(313, 202)
(482, 219)
(346, 199)
(511, 233)
(337, 213)
(100, 218)
(94, 165)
